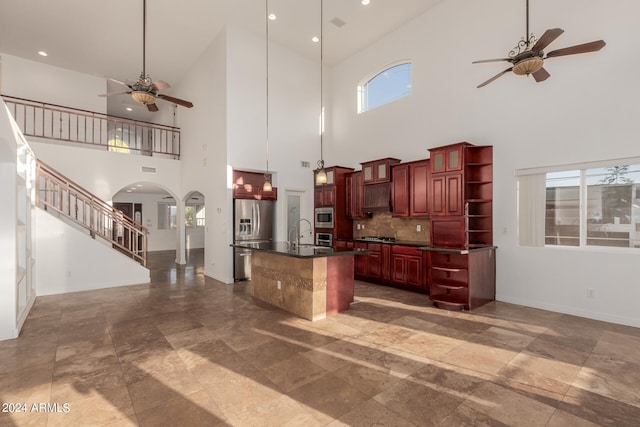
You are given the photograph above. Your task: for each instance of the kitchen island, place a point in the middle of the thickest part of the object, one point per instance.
(309, 281)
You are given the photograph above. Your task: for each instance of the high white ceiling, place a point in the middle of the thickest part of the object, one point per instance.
(105, 37)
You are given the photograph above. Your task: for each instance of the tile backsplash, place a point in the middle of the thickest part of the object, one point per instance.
(384, 225)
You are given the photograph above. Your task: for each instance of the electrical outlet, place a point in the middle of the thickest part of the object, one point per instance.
(418, 227)
(279, 284)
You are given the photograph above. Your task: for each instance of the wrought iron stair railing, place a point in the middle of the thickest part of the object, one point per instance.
(58, 123)
(57, 193)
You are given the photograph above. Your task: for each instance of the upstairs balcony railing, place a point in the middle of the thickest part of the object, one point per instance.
(55, 122)
(57, 193)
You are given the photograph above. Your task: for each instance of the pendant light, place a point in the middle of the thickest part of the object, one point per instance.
(321, 174)
(267, 176)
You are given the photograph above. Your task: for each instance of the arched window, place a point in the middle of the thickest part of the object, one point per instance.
(394, 82)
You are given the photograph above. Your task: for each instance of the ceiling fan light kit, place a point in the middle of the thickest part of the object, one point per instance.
(528, 65)
(143, 97)
(145, 91)
(528, 56)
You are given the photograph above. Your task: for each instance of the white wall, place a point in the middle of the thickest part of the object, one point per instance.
(227, 130)
(204, 152)
(106, 173)
(23, 78)
(294, 110)
(585, 111)
(69, 260)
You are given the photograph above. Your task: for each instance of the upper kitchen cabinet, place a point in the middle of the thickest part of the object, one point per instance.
(461, 195)
(355, 195)
(331, 179)
(447, 158)
(248, 185)
(324, 196)
(334, 194)
(333, 191)
(410, 189)
(377, 171)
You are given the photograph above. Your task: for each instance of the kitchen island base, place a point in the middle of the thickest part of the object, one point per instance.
(312, 288)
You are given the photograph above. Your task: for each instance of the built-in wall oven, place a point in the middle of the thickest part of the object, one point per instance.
(324, 239)
(324, 218)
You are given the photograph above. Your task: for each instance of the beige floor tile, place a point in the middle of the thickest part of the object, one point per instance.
(328, 398)
(371, 413)
(509, 407)
(599, 409)
(195, 409)
(189, 350)
(280, 412)
(293, 372)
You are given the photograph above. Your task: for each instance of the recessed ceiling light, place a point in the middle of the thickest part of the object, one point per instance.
(129, 109)
(315, 39)
(128, 191)
(365, 2)
(42, 53)
(138, 185)
(133, 188)
(272, 16)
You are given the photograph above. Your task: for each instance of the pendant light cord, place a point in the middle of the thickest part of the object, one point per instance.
(144, 39)
(321, 89)
(266, 16)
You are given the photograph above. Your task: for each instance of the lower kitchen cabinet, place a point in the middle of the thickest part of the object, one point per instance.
(361, 263)
(408, 266)
(392, 264)
(462, 279)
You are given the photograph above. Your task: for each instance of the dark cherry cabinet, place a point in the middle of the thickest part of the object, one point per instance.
(400, 190)
(324, 196)
(333, 194)
(448, 158)
(377, 171)
(461, 261)
(361, 262)
(445, 194)
(461, 191)
(397, 265)
(355, 195)
(248, 185)
(418, 189)
(462, 280)
(408, 266)
(409, 191)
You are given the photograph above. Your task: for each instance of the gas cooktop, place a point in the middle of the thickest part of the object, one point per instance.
(378, 239)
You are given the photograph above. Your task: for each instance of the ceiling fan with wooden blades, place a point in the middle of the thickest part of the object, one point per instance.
(528, 57)
(145, 91)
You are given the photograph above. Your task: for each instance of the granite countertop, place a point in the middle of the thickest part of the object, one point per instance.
(387, 242)
(455, 250)
(302, 251)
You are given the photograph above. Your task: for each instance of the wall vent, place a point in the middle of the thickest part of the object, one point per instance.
(147, 169)
(305, 164)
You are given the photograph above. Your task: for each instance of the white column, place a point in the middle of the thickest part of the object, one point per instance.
(181, 255)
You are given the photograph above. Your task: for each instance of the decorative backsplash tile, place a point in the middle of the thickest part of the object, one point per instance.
(384, 225)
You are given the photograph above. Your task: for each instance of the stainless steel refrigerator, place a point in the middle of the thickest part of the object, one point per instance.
(252, 222)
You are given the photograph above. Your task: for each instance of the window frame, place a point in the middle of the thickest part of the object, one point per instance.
(361, 89)
(525, 197)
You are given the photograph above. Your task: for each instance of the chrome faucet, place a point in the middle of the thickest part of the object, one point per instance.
(298, 233)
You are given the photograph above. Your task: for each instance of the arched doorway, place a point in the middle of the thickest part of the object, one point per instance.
(155, 208)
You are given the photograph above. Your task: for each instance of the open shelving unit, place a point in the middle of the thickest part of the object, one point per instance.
(462, 255)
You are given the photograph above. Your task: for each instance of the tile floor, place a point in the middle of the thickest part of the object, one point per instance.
(187, 350)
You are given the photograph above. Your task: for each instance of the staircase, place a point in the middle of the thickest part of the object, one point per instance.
(58, 194)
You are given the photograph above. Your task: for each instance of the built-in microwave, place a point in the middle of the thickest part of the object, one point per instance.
(324, 239)
(324, 218)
